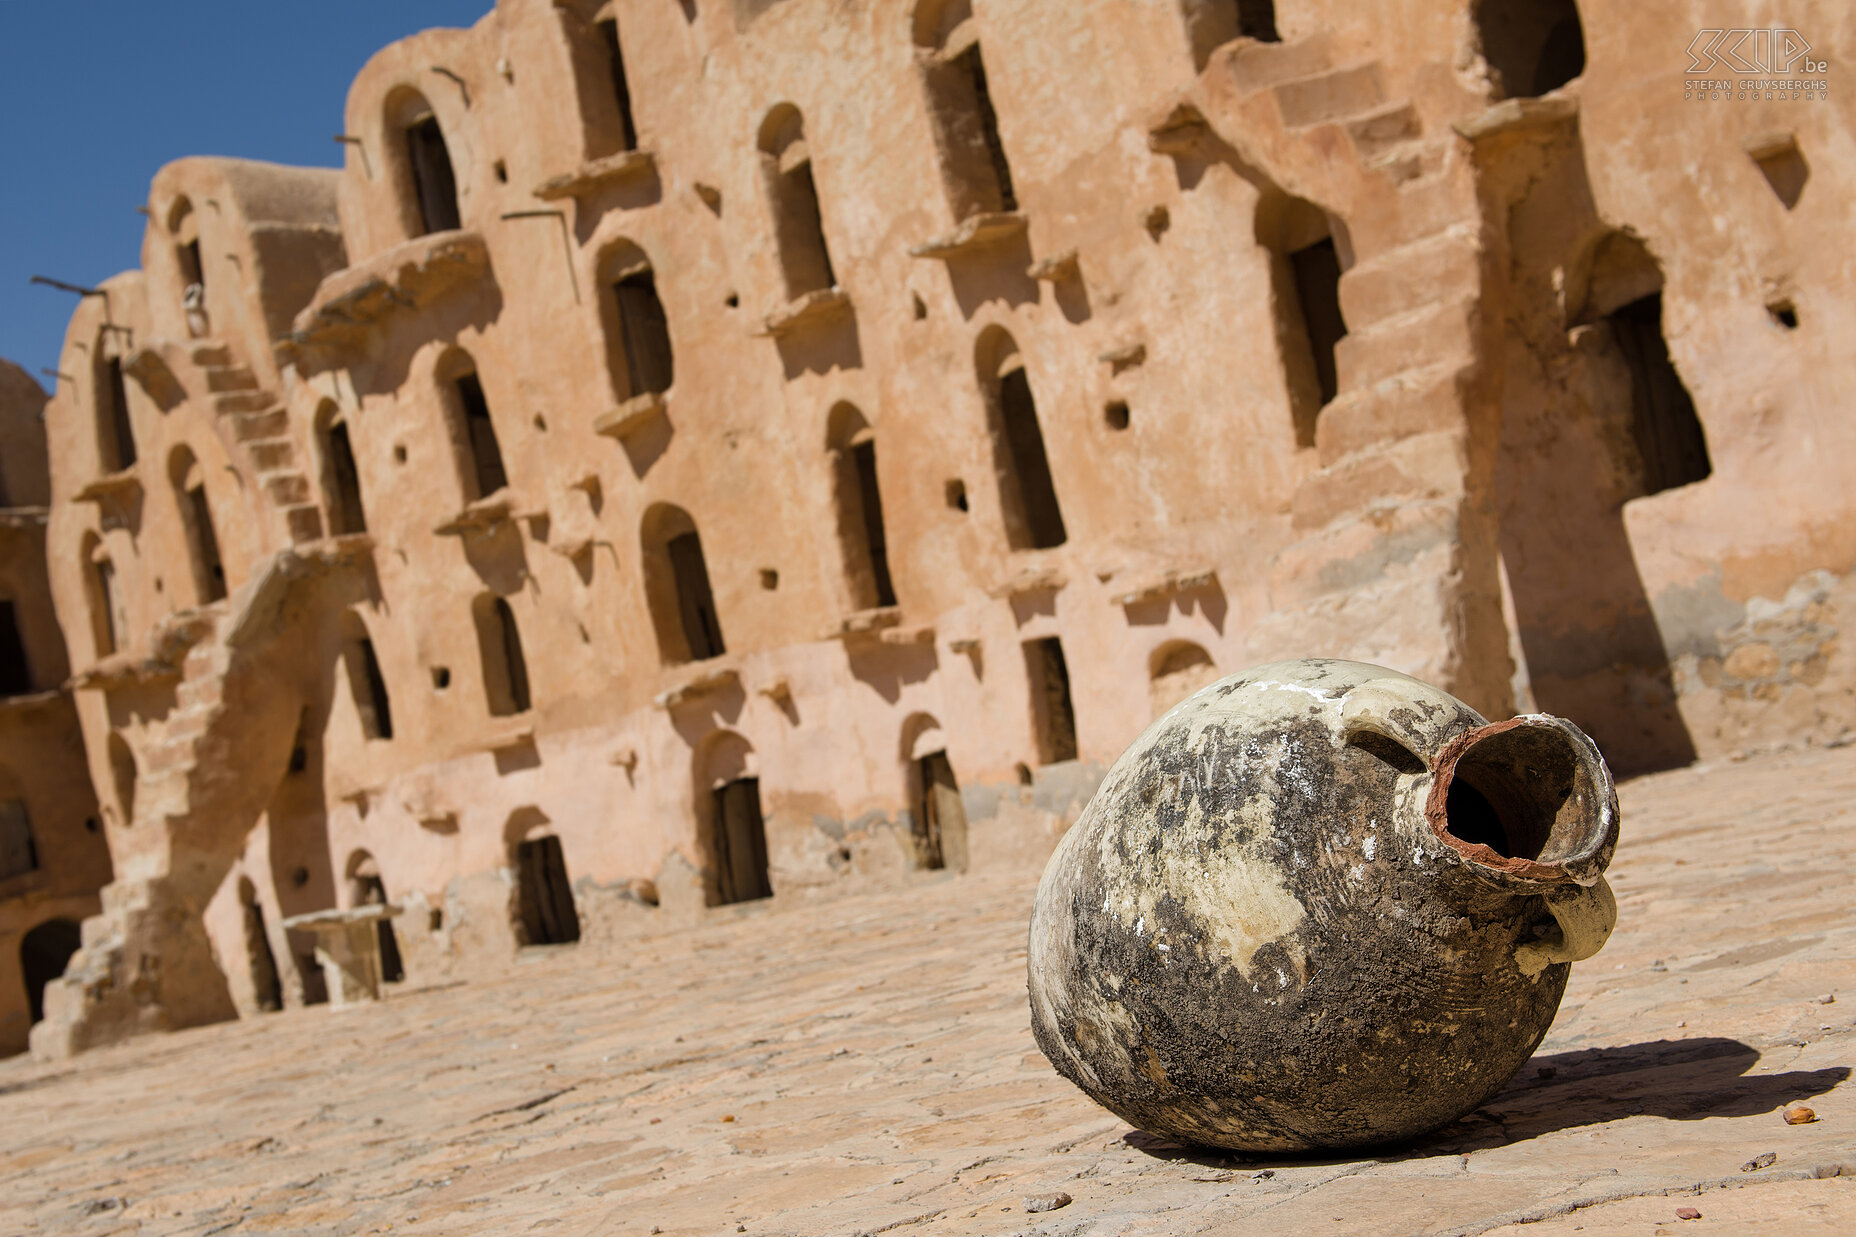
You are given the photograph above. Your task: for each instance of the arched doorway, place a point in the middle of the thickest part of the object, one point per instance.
(938, 819)
(44, 952)
(366, 888)
(545, 911)
(266, 986)
(737, 832)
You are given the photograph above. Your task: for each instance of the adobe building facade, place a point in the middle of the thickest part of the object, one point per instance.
(53, 856)
(694, 450)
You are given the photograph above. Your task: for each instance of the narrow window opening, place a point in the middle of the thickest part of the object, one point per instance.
(505, 668)
(799, 229)
(347, 515)
(299, 746)
(740, 840)
(955, 493)
(863, 457)
(435, 187)
(109, 623)
(974, 168)
(1115, 414)
(940, 817)
(502, 172)
(370, 691)
(441, 678)
(1531, 46)
(695, 602)
(18, 853)
(44, 952)
(621, 90)
(15, 668)
(1051, 709)
(486, 454)
(1784, 313)
(645, 334)
(1317, 290)
(209, 572)
(266, 988)
(115, 432)
(1669, 437)
(1033, 518)
(769, 579)
(192, 273)
(975, 69)
(545, 899)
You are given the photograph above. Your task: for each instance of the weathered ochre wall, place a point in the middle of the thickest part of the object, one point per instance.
(42, 772)
(1460, 508)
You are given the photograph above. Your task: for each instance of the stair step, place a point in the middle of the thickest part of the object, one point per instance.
(243, 401)
(232, 378)
(1432, 335)
(1424, 207)
(272, 454)
(209, 354)
(286, 489)
(275, 422)
(1254, 66)
(1413, 402)
(1335, 95)
(304, 520)
(1436, 269)
(1383, 128)
(1425, 466)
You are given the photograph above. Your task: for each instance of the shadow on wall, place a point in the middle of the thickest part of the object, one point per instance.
(1594, 415)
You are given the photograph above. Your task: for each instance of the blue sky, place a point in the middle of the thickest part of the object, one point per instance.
(98, 94)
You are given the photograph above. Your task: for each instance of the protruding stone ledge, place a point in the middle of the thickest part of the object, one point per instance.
(481, 516)
(111, 488)
(805, 312)
(1518, 116)
(706, 683)
(1125, 357)
(974, 233)
(1044, 579)
(589, 178)
(633, 415)
(867, 623)
(405, 278)
(1178, 131)
(1168, 584)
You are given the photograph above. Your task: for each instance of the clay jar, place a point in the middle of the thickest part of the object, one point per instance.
(1320, 905)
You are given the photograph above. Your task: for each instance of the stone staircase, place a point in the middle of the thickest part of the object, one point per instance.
(259, 425)
(206, 773)
(1380, 569)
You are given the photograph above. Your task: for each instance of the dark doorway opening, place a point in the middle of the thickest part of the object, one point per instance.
(371, 890)
(1051, 709)
(1531, 46)
(868, 521)
(650, 366)
(546, 900)
(115, 432)
(695, 602)
(799, 230)
(976, 172)
(740, 840)
(1317, 288)
(370, 692)
(1668, 434)
(434, 184)
(345, 510)
(940, 817)
(1032, 495)
(43, 954)
(621, 90)
(267, 988)
(505, 668)
(15, 669)
(19, 854)
(486, 454)
(210, 571)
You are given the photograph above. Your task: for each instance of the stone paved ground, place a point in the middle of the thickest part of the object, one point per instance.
(864, 1066)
